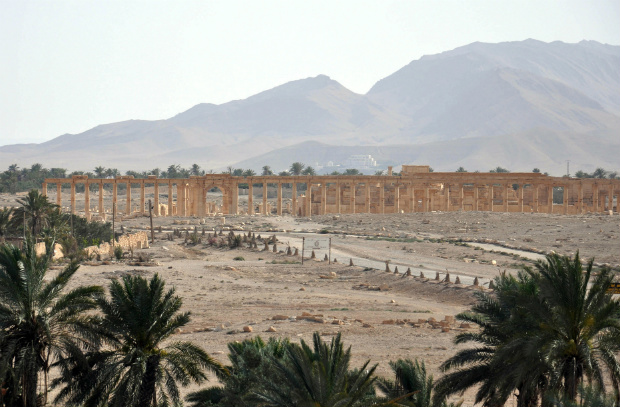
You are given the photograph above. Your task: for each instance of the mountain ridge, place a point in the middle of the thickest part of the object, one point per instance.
(479, 91)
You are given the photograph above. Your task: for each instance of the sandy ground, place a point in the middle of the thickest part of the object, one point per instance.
(383, 316)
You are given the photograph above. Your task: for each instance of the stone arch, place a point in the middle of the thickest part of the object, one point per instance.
(226, 191)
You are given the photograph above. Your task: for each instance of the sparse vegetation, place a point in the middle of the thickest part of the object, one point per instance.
(118, 252)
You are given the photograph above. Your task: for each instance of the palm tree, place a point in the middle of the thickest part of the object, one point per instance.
(411, 385)
(318, 377)
(136, 369)
(548, 330)
(308, 171)
(599, 173)
(38, 322)
(500, 320)
(112, 173)
(249, 173)
(296, 168)
(251, 361)
(267, 170)
(578, 323)
(58, 173)
(590, 397)
(36, 209)
(5, 221)
(100, 171)
(195, 170)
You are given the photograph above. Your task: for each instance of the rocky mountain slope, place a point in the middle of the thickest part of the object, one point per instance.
(515, 104)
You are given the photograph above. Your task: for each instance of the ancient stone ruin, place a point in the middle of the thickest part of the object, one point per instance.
(414, 190)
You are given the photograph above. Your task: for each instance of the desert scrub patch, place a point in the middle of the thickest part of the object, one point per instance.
(283, 262)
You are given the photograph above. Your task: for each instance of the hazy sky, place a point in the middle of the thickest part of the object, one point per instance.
(67, 66)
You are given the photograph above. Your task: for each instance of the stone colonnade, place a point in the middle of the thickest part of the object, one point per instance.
(318, 195)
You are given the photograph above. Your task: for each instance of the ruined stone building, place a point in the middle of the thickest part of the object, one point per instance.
(414, 190)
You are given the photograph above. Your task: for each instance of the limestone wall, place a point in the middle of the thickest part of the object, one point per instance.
(39, 249)
(139, 240)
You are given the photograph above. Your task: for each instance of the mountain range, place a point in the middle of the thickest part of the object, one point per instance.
(518, 105)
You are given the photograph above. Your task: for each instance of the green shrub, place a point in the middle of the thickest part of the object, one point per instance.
(118, 252)
(239, 258)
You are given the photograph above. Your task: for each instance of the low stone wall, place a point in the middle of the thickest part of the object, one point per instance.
(39, 249)
(139, 240)
(104, 250)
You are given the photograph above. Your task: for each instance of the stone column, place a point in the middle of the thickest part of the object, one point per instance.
(128, 204)
(250, 199)
(294, 197)
(86, 201)
(59, 194)
(595, 197)
(323, 210)
(201, 209)
(279, 203)
(411, 196)
(235, 199)
(612, 199)
(382, 197)
(397, 198)
(565, 194)
(44, 189)
(461, 197)
(550, 198)
(520, 194)
(505, 198)
(580, 197)
(264, 208)
(195, 200)
(170, 200)
(309, 199)
(490, 197)
(352, 197)
(156, 198)
(181, 199)
(142, 197)
(114, 197)
(427, 199)
(446, 196)
(367, 198)
(476, 198)
(101, 211)
(73, 197)
(338, 196)
(208, 206)
(611, 196)
(535, 199)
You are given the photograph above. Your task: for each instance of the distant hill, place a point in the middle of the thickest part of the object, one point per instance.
(512, 104)
(539, 148)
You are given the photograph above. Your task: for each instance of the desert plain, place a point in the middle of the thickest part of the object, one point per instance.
(234, 294)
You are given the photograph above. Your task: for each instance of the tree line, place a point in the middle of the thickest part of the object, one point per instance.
(549, 335)
(16, 179)
(37, 217)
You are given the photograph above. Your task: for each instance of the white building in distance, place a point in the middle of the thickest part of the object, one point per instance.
(360, 161)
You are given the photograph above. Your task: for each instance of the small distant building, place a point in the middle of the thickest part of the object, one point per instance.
(360, 161)
(414, 169)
